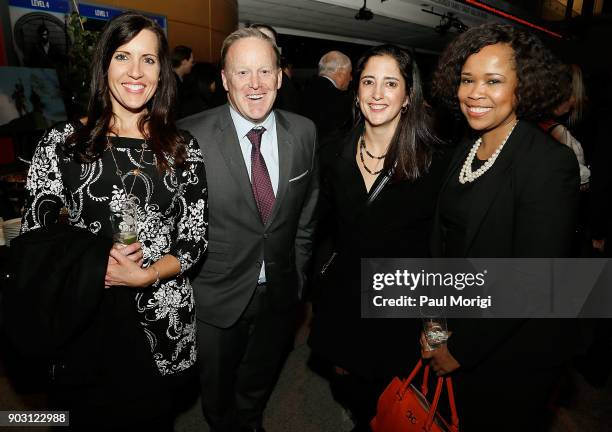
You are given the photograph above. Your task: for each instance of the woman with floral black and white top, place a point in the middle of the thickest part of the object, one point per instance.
(129, 150)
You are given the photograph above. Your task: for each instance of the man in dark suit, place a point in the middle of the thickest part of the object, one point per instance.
(326, 100)
(263, 188)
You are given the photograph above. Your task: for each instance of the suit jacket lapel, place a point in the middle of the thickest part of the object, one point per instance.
(230, 149)
(286, 150)
(486, 188)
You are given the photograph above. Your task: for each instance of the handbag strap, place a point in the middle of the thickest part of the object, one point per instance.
(453, 407)
(411, 376)
(425, 384)
(436, 399)
(380, 186)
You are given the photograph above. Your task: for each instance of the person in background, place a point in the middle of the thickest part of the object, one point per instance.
(391, 146)
(571, 108)
(601, 192)
(182, 64)
(511, 192)
(595, 364)
(326, 100)
(203, 83)
(263, 188)
(128, 153)
(288, 97)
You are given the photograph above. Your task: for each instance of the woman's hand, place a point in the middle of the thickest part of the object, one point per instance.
(133, 252)
(126, 270)
(441, 360)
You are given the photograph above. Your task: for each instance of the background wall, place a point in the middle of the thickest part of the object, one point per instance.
(199, 24)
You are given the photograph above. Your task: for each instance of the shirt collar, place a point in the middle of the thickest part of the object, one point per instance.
(243, 126)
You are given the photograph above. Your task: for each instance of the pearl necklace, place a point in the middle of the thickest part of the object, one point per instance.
(466, 175)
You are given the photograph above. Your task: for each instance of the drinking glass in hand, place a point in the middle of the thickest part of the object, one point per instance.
(436, 331)
(123, 223)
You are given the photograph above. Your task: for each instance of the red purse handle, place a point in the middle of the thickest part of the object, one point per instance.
(437, 394)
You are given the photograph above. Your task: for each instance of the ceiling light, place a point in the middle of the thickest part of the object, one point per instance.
(364, 13)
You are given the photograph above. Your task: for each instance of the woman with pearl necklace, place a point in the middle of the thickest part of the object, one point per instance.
(511, 191)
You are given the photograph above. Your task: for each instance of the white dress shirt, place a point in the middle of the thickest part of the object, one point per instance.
(268, 149)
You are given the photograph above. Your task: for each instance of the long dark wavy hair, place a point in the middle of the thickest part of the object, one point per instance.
(413, 143)
(542, 83)
(157, 125)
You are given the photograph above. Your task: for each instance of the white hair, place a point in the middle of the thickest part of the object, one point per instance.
(333, 61)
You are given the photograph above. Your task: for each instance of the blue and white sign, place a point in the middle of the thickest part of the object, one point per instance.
(104, 13)
(60, 6)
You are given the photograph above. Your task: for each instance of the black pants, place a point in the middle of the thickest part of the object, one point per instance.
(239, 365)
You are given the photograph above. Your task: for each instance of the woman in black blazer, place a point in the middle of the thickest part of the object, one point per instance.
(392, 137)
(510, 193)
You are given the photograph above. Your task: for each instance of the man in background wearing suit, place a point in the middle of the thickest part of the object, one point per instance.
(263, 188)
(287, 97)
(326, 100)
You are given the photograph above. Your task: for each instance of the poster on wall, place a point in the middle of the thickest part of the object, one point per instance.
(30, 102)
(39, 32)
(39, 29)
(24, 91)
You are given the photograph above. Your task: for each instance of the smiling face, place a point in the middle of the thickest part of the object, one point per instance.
(133, 73)
(487, 91)
(382, 91)
(251, 77)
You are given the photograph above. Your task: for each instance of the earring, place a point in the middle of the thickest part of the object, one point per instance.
(357, 103)
(404, 109)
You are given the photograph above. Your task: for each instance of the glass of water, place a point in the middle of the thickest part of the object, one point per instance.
(435, 330)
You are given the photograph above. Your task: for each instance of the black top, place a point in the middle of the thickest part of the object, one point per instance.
(455, 204)
(397, 224)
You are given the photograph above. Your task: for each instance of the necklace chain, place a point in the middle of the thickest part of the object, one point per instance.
(362, 147)
(466, 175)
(135, 171)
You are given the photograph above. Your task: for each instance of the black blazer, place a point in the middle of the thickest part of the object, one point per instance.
(328, 107)
(525, 206)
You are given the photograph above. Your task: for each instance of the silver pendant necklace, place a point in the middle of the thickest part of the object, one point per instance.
(135, 172)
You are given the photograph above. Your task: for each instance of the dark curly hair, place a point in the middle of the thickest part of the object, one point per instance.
(542, 79)
(87, 143)
(414, 142)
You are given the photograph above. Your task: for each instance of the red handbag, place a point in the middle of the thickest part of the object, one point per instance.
(403, 408)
